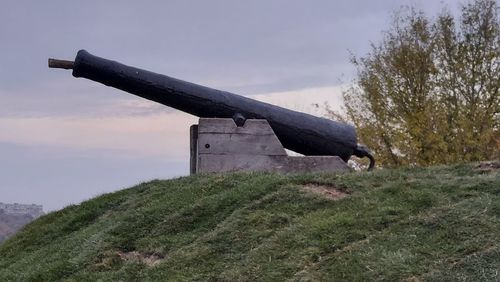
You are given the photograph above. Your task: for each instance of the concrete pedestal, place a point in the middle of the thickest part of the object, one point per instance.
(219, 145)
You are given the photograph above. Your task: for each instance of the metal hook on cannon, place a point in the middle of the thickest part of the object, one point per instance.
(362, 151)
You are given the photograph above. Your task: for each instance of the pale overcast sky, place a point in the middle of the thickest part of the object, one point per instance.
(64, 140)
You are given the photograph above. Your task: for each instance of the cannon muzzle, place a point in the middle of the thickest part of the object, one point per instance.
(299, 132)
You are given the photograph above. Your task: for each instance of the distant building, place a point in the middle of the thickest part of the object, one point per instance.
(34, 210)
(14, 216)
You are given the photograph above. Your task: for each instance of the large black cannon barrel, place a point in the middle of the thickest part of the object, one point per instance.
(299, 132)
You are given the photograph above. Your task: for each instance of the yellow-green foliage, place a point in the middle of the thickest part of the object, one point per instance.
(429, 92)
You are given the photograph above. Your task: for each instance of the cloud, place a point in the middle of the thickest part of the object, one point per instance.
(69, 97)
(269, 43)
(146, 135)
(55, 176)
(146, 132)
(306, 100)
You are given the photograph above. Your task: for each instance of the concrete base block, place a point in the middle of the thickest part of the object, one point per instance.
(221, 146)
(283, 164)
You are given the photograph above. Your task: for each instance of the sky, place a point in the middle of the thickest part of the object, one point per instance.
(64, 140)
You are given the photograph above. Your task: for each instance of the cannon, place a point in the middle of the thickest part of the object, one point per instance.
(300, 132)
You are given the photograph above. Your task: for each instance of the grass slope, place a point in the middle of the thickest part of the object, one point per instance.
(436, 224)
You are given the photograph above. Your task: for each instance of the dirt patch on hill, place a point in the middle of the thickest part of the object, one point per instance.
(328, 192)
(485, 167)
(149, 259)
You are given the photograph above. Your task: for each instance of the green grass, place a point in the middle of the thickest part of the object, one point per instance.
(436, 224)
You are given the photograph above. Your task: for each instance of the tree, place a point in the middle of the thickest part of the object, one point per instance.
(429, 92)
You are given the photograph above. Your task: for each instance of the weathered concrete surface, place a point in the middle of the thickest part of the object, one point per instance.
(222, 146)
(193, 147)
(284, 164)
(220, 136)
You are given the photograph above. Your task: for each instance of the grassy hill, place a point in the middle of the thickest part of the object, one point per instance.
(440, 223)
